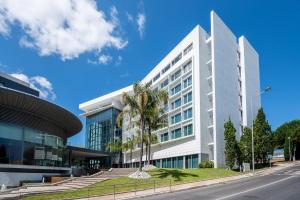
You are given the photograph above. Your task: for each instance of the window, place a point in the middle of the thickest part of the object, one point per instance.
(176, 75)
(176, 118)
(191, 161)
(176, 59)
(164, 137)
(187, 114)
(176, 103)
(187, 82)
(176, 89)
(188, 49)
(155, 89)
(188, 130)
(166, 163)
(176, 133)
(187, 67)
(150, 82)
(156, 77)
(164, 83)
(187, 98)
(164, 70)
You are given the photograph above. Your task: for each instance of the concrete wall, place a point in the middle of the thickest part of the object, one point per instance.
(225, 76)
(251, 81)
(13, 179)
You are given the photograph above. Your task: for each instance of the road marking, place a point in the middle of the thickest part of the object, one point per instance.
(262, 186)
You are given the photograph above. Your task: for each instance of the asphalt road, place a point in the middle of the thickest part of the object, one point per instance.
(284, 184)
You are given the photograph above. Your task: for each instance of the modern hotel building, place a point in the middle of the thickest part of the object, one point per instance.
(211, 77)
(33, 137)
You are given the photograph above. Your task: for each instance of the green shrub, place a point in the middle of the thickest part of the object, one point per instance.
(206, 164)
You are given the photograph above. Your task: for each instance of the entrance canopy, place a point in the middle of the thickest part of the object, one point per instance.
(83, 153)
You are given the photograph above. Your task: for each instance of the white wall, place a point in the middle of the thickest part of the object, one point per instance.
(225, 75)
(251, 81)
(12, 179)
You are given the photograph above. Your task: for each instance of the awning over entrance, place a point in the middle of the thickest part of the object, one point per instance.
(83, 153)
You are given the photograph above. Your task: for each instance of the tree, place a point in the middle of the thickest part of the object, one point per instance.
(239, 152)
(230, 144)
(156, 117)
(283, 133)
(136, 108)
(246, 142)
(262, 137)
(129, 145)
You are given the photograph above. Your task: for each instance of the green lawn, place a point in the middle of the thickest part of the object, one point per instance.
(160, 177)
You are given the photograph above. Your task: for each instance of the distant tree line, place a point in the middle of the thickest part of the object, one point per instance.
(287, 136)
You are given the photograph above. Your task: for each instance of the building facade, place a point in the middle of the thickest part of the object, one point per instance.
(33, 134)
(102, 129)
(210, 78)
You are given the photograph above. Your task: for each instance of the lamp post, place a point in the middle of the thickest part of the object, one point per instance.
(267, 89)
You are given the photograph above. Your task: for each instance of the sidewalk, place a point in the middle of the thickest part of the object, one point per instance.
(174, 188)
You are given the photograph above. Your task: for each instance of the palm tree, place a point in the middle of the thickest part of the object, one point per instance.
(150, 139)
(129, 145)
(156, 117)
(136, 106)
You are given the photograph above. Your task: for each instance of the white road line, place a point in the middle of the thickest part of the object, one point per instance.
(262, 186)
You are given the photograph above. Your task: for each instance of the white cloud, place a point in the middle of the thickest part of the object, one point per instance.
(104, 59)
(66, 28)
(119, 60)
(141, 20)
(129, 17)
(39, 83)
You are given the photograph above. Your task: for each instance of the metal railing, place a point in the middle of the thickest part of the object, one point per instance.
(112, 191)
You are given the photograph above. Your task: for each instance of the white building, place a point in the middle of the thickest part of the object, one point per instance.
(210, 78)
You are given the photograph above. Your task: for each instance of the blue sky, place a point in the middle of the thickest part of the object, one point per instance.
(73, 53)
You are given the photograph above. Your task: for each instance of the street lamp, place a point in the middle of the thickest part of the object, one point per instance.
(267, 89)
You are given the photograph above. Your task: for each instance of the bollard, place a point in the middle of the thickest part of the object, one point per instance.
(154, 186)
(135, 188)
(170, 185)
(114, 191)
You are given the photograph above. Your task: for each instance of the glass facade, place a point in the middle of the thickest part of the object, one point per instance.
(102, 129)
(25, 146)
(191, 161)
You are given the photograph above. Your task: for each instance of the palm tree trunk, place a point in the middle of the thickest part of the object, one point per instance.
(149, 153)
(131, 157)
(142, 143)
(146, 143)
